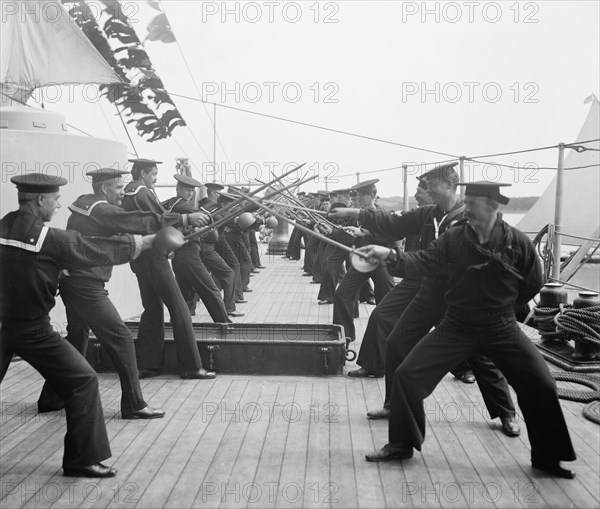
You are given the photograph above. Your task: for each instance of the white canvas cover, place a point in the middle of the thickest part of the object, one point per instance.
(41, 45)
(581, 188)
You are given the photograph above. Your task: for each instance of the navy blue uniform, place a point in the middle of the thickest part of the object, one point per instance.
(157, 286)
(485, 283)
(32, 256)
(347, 293)
(428, 306)
(190, 271)
(86, 300)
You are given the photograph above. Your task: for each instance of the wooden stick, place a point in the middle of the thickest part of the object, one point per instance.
(304, 228)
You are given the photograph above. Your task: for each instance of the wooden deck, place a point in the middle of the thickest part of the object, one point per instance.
(282, 441)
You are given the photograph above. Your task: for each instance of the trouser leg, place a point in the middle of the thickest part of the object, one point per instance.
(87, 305)
(344, 300)
(75, 382)
(516, 356)
(150, 337)
(493, 387)
(372, 354)
(225, 251)
(222, 273)
(159, 277)
(190, 271)
(424, 311)
(416, 378)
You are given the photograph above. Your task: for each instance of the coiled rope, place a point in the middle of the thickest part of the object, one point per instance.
(584, 322)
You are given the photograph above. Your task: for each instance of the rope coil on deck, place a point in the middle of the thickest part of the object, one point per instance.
(590, 381)
(584, 322)
(591, 411)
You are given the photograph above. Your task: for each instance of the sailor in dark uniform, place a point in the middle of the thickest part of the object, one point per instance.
(254, 248)
(332, 260)
(236, 237)
(157, 286)
(371, 356)
(212, 190)
(31, 257)
(294, 249)
(221, 272)
(427, 308)
(311, 258)
(346, 295)
(86, 300)
(226, 252)
(492, 267)
(190, 272)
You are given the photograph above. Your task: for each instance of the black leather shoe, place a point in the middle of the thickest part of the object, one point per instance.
(510, 426)
(382, 413)
(201, 374)
(235, 314)
(241, 301)
(554, 468)
(97, 470)
(147, 373)
(144, 413)
(325, 302)
(246, 290)
(306, 274)
(467, 378)
(362, 373)
(260, 267)
(390, 452)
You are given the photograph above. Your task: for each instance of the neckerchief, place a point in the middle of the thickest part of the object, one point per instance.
(500, 251)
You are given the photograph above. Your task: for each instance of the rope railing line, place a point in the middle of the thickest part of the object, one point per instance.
(566, 283)
(315, 126)
(579, 237)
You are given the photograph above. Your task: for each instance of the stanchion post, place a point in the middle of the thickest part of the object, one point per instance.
(405, 197)
(558, 204)
(462, 176)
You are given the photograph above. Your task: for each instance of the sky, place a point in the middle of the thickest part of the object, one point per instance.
(458, 79)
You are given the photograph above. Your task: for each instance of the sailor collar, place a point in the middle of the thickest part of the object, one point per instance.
(27, 232)
(85, 204)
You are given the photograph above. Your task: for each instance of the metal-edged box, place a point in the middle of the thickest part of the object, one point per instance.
(253, 349)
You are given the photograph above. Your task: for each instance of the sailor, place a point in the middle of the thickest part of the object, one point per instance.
(224, 250)
(32, 256)
(332, 258)
(234, 234)
(312, 265)
(212, 190)
(83, 291)
(381, 321)
(254, 249)
(346, 295)
(190, 272)
(158, 287)
(427, 308)
(222, 273)
(492, 267)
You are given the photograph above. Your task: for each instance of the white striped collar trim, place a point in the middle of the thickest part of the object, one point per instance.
(35, 248)
(135, 191)
(85, 212)
(170, 209)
